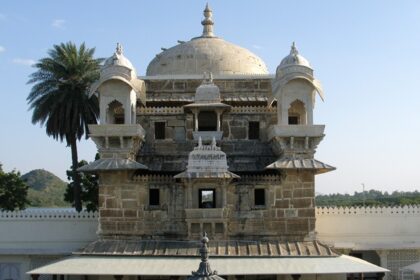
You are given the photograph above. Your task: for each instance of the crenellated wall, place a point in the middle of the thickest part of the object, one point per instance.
(47, 231)
(364, 228)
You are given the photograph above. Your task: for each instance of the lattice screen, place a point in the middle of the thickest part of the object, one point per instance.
(399, 258)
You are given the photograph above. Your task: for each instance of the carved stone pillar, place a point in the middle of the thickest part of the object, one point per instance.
(295, 276)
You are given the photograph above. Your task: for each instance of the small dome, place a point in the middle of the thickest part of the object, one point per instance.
(206, 53)
(294, 58)
(119, 59)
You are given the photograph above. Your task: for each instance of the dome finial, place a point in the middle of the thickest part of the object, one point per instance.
(207, 22)
(293, 49)
(119, 49)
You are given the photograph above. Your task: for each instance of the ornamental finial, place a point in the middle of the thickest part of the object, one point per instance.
(204, 271)
(207, 22)
(119, 49)
(293, 49)
(207, 78)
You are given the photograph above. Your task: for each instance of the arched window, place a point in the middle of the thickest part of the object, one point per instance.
(207, 121)
(297, 113)
(115, 113)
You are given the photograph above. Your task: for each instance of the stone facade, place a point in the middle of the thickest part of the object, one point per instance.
(231, 154)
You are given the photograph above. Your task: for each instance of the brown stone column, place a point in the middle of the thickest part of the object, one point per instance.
(295, 276)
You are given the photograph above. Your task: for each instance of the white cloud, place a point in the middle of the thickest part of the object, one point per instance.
(24, 61)
(58, 23)
(2, 49)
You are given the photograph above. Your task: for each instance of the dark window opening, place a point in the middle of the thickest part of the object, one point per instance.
(259, 197)
(160, 130)
(207, 121)
(119, 119)
(115, 113)
(154, 199)
(253, 130)
(207, 198)
(293, 120)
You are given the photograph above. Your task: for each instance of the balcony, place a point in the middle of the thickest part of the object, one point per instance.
(295, 131)
(122, 139)
(116, 130)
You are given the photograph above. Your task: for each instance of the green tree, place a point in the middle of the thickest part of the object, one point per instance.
(59, 98)
(13, 191)
(89, 188)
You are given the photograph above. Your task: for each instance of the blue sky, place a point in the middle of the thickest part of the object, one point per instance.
(366, 54)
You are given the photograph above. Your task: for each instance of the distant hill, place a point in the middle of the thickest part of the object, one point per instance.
(45, 189)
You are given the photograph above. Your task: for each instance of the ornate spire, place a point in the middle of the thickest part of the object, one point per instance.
(293, 49)
(204, 269)
(119, 49)
(207, 22)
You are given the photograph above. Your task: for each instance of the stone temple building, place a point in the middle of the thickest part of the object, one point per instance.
(208, 141)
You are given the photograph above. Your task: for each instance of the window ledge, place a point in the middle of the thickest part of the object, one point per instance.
(154, 207)
(259, 207)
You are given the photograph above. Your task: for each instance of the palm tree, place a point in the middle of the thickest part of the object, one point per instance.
(59, 97)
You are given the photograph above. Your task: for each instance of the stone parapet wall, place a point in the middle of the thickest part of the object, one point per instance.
(61, 214)
(253, 110)
(46, 231)
(364, 228)
(160, 111)
(370, 211)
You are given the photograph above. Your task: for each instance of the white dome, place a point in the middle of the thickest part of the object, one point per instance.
(294, 58)
(119, 59)
(206, 53)
(203, 54)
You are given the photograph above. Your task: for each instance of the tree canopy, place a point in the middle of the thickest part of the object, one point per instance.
(369, 198)
(59, 97)
(13, 191)
(89, 188)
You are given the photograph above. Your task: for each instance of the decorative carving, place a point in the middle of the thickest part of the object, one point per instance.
(160, 111)
(35, 214)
